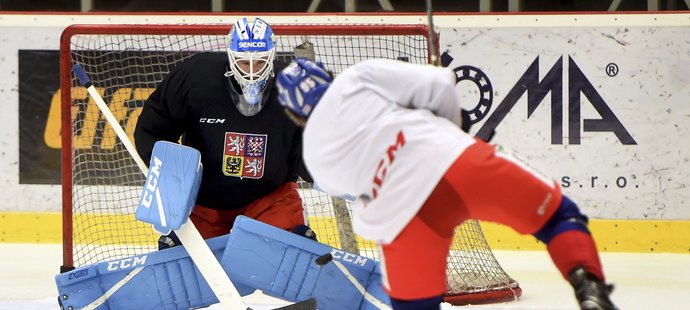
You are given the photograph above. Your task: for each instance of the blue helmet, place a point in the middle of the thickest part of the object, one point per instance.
(301, 85)
(251, 50)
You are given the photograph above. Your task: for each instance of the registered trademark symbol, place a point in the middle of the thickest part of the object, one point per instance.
(612, 69)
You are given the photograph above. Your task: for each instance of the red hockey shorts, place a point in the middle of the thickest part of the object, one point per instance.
(281, 208)
(481, 184)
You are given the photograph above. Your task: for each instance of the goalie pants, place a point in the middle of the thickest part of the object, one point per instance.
(281, 208)
(480, 184)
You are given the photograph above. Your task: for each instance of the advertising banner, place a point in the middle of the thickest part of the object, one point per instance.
(39, 117)
(603, 111)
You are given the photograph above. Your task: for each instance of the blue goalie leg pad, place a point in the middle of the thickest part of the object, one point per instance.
(164, 279)
(283, 264)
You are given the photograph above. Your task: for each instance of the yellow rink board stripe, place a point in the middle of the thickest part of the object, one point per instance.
(644, 236)
(610, 235)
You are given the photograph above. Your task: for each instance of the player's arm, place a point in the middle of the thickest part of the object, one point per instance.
(415, 86)
(296, 159)
(162, 115)
(303, 172)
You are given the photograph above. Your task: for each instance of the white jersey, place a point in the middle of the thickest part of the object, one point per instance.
(385, 132)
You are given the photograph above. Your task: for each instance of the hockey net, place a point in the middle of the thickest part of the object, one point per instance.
(102, 183)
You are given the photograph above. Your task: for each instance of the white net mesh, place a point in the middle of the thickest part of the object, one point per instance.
(125, 63)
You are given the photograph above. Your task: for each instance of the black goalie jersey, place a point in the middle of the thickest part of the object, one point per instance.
(244, 157)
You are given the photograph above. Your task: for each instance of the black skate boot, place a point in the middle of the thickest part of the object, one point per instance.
(591, 293)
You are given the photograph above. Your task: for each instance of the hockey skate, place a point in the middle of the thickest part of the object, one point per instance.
(591, 293)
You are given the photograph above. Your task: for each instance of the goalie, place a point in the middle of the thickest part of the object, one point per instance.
(255, 256)
(225, 106)
(399, 148)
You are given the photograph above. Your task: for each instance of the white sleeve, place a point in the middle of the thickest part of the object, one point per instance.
(414, 86)
(348, 197)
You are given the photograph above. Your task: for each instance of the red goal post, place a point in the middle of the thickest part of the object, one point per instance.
(100, 180)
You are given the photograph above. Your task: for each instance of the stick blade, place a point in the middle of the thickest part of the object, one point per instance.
(309, 304)
(305, 50)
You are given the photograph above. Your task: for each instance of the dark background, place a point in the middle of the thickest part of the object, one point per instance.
(328, 5)
(38, 164)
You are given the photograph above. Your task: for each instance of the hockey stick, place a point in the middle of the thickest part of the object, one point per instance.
(348, 239)
(433, 48)
(434, 60)
(208, 265)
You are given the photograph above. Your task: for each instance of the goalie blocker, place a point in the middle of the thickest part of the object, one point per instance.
(175, 171)
(255, 256)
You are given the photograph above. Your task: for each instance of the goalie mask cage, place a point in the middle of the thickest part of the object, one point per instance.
(101, 183)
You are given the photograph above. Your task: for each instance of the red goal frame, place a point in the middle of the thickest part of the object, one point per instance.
(487, 294)
(219, 29)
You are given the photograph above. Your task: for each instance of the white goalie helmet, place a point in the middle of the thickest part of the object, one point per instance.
(251, 50)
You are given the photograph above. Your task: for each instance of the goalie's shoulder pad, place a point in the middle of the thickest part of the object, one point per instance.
(283, 265)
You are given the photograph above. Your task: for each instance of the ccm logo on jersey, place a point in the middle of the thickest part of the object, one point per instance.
(349, 257)
(212, 120)
(152, 183)
(386, 162)
(252, 44)
(127, 263)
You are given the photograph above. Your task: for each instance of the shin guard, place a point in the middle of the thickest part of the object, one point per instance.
(291, 267)
(166, 279)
